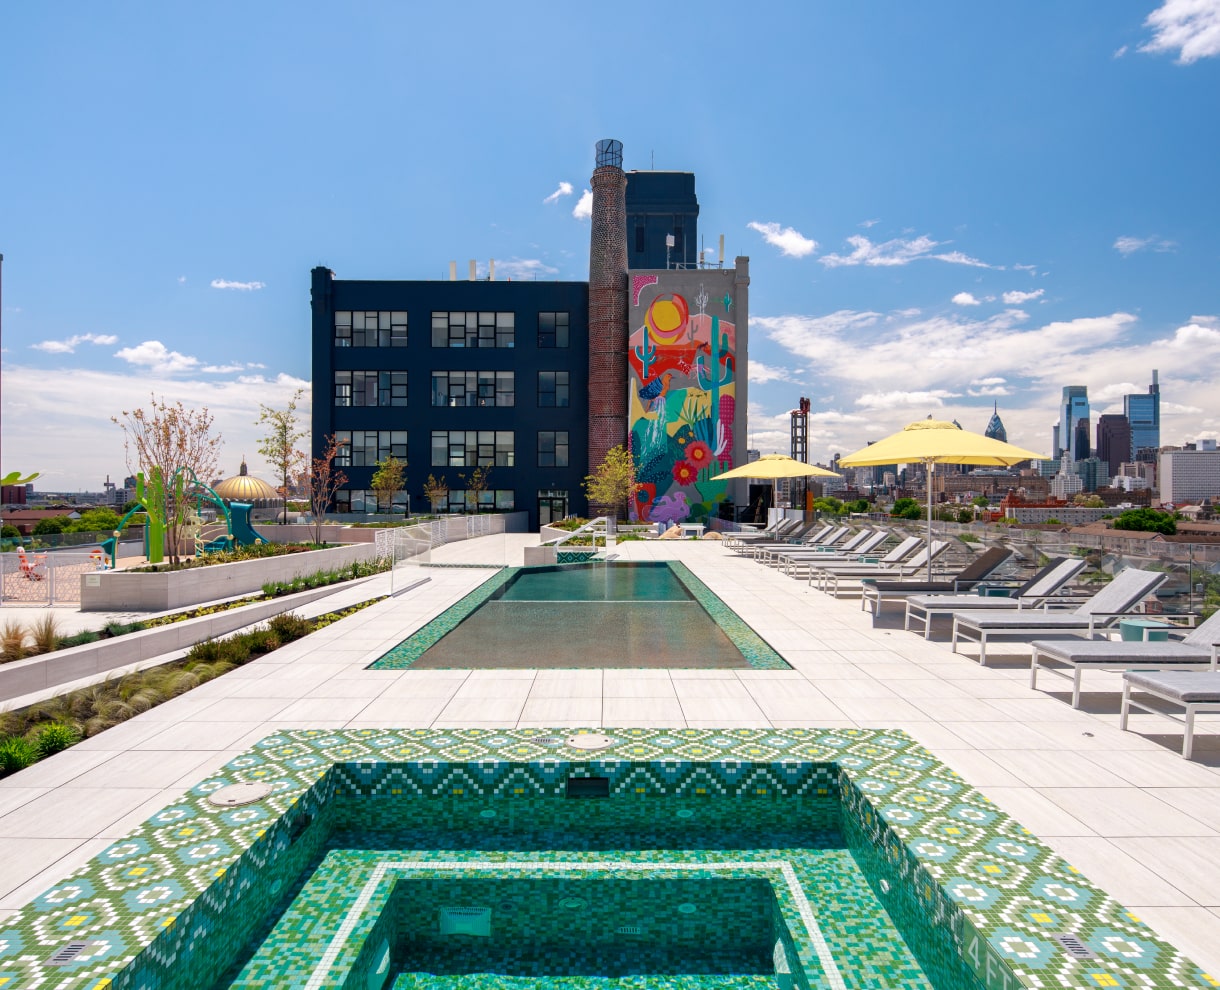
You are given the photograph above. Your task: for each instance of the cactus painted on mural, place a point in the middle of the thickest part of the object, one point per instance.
(724, 442)
(717, 350)
(646, 351)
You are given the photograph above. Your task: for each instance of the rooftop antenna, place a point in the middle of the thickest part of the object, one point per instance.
(722, 250)
(652, 160)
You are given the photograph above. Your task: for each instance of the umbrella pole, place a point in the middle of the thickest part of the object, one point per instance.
(928, 548)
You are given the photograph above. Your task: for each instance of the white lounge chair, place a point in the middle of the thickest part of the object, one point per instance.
(862, 542)
(1196, 692)
(798, 564)
(1116, 599)
(1071, 659)
(1037, 592)
(829, 575)
(877, 591)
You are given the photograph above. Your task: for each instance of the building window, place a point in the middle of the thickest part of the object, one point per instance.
(365, 500)
(472, 448)
(552, 448)
(552, 329)
(490, 500)
(366, 448)
(473, 388)
(552, 388)
(370, 328)
(473, 329)
(370, 388)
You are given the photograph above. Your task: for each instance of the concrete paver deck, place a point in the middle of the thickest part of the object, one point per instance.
(1122, 806)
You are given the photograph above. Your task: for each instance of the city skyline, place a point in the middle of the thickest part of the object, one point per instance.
(984, 234)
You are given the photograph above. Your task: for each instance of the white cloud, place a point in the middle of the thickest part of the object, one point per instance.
(1120, 52)
(222, 369)
(866, 224)
(584, 206)
(1127, 246)
(565, 189)
(181, 279)
(1189, 27)
(220, 283)
(761, 373)
(790, 242)
(157, 358)
(1016, 297)
(44, 413)
(1032, 269)
(897, 252)
(69, 346)
(965, 299)
(522, 268)
(989, 391)
(900, 398)
(988, 381)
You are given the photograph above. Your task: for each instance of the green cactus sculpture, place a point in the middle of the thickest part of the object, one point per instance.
(718, 347)
(152, 497)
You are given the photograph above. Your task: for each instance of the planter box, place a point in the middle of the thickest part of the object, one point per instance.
(35, 674)
(120, 591)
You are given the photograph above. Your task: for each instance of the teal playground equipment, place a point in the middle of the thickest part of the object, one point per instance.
(151, 500)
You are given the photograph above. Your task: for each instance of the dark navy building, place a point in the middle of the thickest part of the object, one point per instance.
(455, 375)
(451, 376)
(662, 204)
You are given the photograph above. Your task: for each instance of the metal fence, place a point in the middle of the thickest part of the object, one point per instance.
(43, 578)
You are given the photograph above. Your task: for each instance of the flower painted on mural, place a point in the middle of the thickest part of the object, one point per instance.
(699, 454)
(685, 473)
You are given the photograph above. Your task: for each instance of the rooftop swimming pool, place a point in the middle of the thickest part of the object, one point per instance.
(613, 858)
(592, 615)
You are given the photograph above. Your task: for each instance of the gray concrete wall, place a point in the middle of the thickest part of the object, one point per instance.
(24, 677)
(124, 591)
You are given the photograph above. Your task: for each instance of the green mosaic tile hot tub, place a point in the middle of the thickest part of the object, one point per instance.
(814, 842)
(691, 629)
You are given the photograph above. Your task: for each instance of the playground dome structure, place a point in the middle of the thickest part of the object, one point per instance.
(245, 487)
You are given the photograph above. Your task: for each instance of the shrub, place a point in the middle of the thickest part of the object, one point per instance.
(45, 634)
(16, 754)
(54, 737)
(79, 639)
(10, 532)
(12, 641)
(289, 626)
(1147, 521)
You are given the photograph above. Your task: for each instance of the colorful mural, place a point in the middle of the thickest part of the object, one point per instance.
(682, 395)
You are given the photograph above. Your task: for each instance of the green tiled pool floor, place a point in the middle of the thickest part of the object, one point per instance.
(608, 925)
(602, 615)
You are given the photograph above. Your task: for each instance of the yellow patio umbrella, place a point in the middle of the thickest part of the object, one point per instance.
(931, 442)
(774, 466)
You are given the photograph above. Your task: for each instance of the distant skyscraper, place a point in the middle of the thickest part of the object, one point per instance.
(1113, 441)
(1073, 434)
(995, 426)
(1143, 412)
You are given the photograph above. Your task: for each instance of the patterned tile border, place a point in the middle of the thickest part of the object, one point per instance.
(751, 646)
(161, 902)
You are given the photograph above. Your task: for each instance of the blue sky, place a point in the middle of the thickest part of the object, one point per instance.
(945, 204)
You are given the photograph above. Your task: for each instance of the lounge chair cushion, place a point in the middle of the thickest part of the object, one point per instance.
(954, 602)
(1109, 651)
(1188, 687)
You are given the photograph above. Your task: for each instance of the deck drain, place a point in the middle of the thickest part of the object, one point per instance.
(591, 740)
(239, 794)
(545, 740)
(629, 930)
(1075, 948)
(66, 954)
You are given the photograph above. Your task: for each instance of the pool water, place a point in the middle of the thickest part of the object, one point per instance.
(595, 615)
(595, 895)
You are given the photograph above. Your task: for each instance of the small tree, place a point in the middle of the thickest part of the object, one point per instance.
(906, 508)
(171, 446)
(436, 491)
(279, 445)
(388, 481)
(324, 481)
(476, 483)
(612, 483)
(1148, 521)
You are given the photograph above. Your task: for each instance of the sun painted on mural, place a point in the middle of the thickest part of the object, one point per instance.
(682, 396)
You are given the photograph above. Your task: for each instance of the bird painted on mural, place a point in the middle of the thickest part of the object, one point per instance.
(654, 392)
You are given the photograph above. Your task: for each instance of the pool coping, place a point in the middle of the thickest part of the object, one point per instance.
(759, 654)
(1007, 892)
